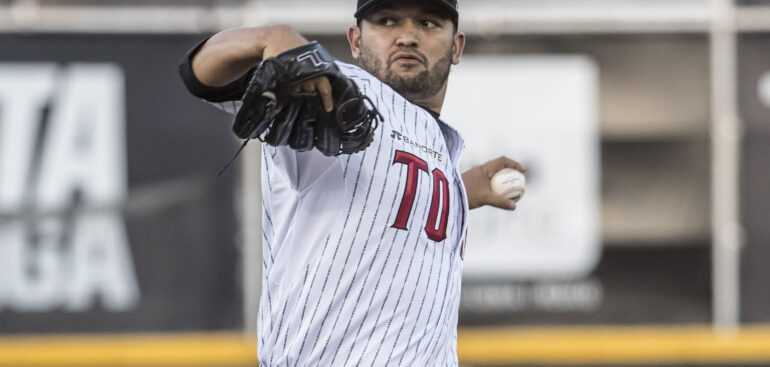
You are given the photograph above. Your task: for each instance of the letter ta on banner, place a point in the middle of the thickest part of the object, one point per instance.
(82, 165)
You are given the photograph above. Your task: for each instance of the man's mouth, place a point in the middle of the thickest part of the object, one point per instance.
(404, 57)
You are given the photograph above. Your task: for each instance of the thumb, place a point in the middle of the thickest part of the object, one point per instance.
(502, 202)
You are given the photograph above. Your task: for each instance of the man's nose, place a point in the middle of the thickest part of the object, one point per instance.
(409, 36)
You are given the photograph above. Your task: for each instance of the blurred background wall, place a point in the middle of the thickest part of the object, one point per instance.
(120, 245)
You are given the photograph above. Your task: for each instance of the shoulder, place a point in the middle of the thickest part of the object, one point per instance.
(354, 71)
(368, 83)
(394, 108)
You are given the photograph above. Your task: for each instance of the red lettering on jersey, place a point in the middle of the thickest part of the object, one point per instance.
(413, 165)
(440, 184)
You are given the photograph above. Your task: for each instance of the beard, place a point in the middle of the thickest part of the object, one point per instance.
(423, 85)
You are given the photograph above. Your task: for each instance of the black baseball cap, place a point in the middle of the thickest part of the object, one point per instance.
(450, 6)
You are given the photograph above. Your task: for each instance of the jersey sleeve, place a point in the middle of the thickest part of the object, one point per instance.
(367, 83)
(301, 170)
(227, 97)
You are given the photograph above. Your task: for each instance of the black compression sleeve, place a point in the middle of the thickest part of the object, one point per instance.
(230, 92)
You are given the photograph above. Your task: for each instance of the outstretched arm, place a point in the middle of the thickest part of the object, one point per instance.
(477, 181)
(229, 54)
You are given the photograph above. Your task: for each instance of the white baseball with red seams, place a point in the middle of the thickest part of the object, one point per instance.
(509, 182)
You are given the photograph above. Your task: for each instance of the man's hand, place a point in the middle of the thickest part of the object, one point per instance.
(279, 39)
(282, 39)
(322, 86)
(477, 180)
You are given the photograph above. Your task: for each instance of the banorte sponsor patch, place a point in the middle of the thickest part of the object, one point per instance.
(397, 135)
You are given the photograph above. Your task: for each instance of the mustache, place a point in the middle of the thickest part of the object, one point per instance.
(423, 59)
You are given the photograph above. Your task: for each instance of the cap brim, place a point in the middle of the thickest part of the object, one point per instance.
(443, 4)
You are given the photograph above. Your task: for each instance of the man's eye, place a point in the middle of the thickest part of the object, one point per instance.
(429, 24)
(386, 21)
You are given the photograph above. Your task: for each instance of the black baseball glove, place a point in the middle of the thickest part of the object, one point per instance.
(276, 115)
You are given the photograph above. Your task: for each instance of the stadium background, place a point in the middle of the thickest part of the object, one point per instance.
(120, 246)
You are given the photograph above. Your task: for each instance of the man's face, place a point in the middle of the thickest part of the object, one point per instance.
(408, 48)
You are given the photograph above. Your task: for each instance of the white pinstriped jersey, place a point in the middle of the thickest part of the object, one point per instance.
(363, 253)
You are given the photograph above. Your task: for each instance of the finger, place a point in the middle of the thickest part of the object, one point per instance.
(510, 163)
(308, 86)
(496, 165)
(501, 202)
(325, 88)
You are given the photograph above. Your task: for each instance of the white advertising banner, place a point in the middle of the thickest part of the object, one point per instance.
(542, 112)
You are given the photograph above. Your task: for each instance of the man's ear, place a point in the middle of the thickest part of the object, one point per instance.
(458, 46)
(354, 39)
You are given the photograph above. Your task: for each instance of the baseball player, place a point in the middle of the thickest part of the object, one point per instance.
(363, 252)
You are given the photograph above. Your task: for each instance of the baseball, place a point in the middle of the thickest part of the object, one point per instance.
(509, 182)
